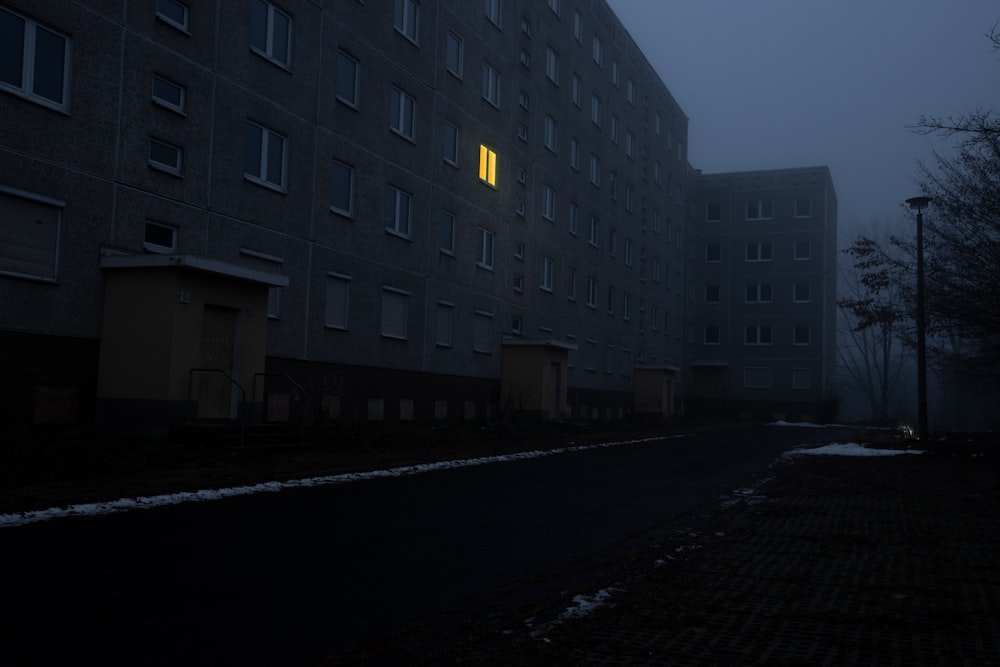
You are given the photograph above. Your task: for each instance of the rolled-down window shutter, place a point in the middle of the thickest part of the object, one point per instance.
(29, 237)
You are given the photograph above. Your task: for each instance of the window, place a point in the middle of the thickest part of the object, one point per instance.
(525, 58)
(595, 170)
(482, 332)
(484, 250)
(573, 222)
(761, 251)
(165, 157)
(758, 378)
(338, 289)
(546, 275)
(576, 91)
(658, 124)
(592, 291)
(454, 50)
(554, 6)
(451, 143)
(629, 198)
(518, 283)
(347, 79)
(578, 27)
(758, 293)
(548, 203)
(612, 241)
(630, 92)
(491, 85)
(442, 323)
(626, 306)
(264, 156)
(522, 175)
(270, 32)
(493, 8)
(713, 212)
(523, 100)
(516, 325)
(611, 299)
(713, 252)
(574, 153)
(615, 73)
(801, 378)
(760, 210)
(712, 293)
(519, 250)
(168, 94)
(526, 26)
(614, 129)
(802, 293)
(803, 250)
(34, 61)
(402, 112)
(397, 211)
(803, 208)
(29, 229)
(268, 264)
(613, 184)
(522, 132)
(395, 304)
(571, 284)
(712, 335)
(406, 19)
(800, 335)
(595, 110)
(552, 65)
(173, 13)
(629, 144)
(446, 232)
(598, 51)
(551, 133)
(487, 166)
(657, 272)
(341, 187)
(594, 231)
(654, 317)
(159, 238)
(758, 335)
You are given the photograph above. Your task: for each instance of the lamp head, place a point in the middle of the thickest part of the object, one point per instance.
(919, 203)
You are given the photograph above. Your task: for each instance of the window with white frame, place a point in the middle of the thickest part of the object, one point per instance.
(482, 332)
(545, 279)
(552, 64)
(712, 335)
(658, 124)
(443, 317)
(712, 293)
(35, 61)
(759, 251)
(713, 212)
(264, 155)
(169, 94)
(29, 235)
(803, 250)
(525, 58)
(574, 153)
(628, 251)
(656, 172)
(803, 208)
(166, 156)
(595, 109)
(615, 73)
(801, 378)
(802, 293)
(657, 271)
(760, 210)
(758, 293)
(576, 91)
(592, 291)
(612, 241)
(159, 238)
(800, 335)
(573, 220)
(629, 198)
(629, 145)
(523, 100)
(594, 231)
(630, 91)
(551, 133)
(598, 51)
(491, 85)
(757, 335)
(713, 252)
(654, 317)
(595, 170)
(626, 306)
(484, 248)
(548, 203)
(451, 143)
(336, 308)
(454, 50)
(578, 26)
(397, 211)
(554, 5)
(174, 13)
(760, 377)
(522, 175)
(270, 32)
(406, 19)
(611, 299)
(267, 263)
(614, 129)
(493, 12)
(446, 232)
(347, 78)
(571, 284)
(526, 26)
(341, 188)
(395, 307)
(402, 113)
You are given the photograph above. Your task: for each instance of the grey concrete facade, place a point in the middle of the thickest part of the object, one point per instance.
(288, 126)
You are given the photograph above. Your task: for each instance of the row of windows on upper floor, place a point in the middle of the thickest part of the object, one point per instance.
(759, 293)
(762, 209)
(762, 251)
(761, 334)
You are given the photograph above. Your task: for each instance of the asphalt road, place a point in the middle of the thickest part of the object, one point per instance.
(385, 570)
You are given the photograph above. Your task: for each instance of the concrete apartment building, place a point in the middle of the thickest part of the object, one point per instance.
(393, 210)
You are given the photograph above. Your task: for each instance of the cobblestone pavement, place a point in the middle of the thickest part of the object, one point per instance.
(832, 561)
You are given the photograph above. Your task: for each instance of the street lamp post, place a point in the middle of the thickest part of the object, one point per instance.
(918, 204)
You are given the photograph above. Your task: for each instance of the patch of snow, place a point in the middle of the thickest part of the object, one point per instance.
(164, 500)
(782, 422)
(847, 449)
(585, 604)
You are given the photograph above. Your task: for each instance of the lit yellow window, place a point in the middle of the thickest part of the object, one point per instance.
(487, 166)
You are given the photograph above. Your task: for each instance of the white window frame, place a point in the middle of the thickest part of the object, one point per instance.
(795, 295)
(176, 167)
(574, 213)
(595, 109)
(712, 340)
(494, 12)
(576, 91)
(491, 84)
(165, 102)
(760, 209)
(444, 317)
(486, 249)
(446, 232)
(710, 212)
(27, 88)
(628, 252)
(595, 231)
(271, 264)
(548, 203)
(807, 244)
(394, 299)
(598, 51)
(574, 154)
(406, 19)
(398, 221)
(578, 26)
(159, 248)
(757, 335)
(799, 341)
(342, 58)
(758, 254)
(803, 212)
(267, 50)
(451, 134)
(552, 64)
(482, 332)
(595, 170)
(546, 278)
(454, 68)
(759, 293)
(267, 136)
(342, 284)
(592, 291)
(163, 13)
(551, 134)
(349, 171)
(402, 113)
(571, 284)
(709, 259)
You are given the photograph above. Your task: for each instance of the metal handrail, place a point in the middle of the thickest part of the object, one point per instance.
(298, 387)
(241, 410)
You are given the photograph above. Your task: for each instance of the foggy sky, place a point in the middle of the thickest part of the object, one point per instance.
(797, 83)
